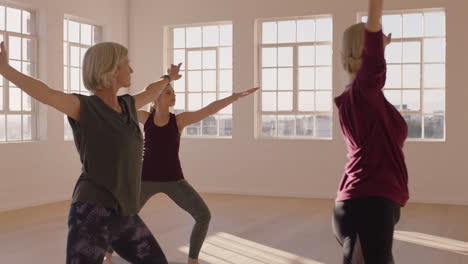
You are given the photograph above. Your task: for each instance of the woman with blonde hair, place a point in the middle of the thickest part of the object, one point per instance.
(105, 200)
(375, 183)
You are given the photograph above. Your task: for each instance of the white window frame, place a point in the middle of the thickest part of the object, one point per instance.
(5, 112)
(422, 88)
(220, 94)
(96, 37)
(295, 112)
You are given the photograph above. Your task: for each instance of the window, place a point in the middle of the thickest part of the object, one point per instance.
(295, 73)
(416, 70)
(77, 39)
(206, 54)
(17, 109)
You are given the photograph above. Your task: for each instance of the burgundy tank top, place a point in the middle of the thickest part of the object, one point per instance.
(161, 151)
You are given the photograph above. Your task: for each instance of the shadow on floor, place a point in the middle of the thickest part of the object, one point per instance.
(119, 260)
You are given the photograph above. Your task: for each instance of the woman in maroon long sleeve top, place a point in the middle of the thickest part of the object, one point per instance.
(375, 182)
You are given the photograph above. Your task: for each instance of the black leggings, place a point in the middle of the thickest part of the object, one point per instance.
(93, 228)
(364, 228)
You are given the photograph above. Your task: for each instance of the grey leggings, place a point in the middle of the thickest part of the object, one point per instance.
(185, 196)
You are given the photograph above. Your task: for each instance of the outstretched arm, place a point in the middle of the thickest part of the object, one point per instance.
(188, 118)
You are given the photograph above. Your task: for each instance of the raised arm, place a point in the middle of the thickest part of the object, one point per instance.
(154, 90)
(375, 15)
(65, 103)
(188, 118)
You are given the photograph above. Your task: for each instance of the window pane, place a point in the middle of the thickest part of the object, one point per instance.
(194, 81)
(434, 102)
(269, 33)
(434, 24)
(75, 79)
(82, 55)
(225, 58)
(15, 48)
(179, 85)
(392, 24)
(434, 75)
(194, 60)
(394, 97)
(65, 79)
(209, 59)
(285, 79)
(210, 36)
(179, 57)
(269, 126)
(225, 125)
(73, 31)
(194, 129)
(411, 100)
(180, 103)
(304, 126)
(27, 127)
(285, 101)
(411, 76)
(26, 102)
(324, 78)
(306, 101)
(286, 126)
(323, 123)
(27, 22)
(14, 127)
(305, 30)
(2, 19)
(434, 50)
(210, 126)
(286, 31)
(414, 123)
(323, 101)
(269, 57)
(324, 54)
(324, 29)
(65, 30)
(306, 78)
(17, 66)
(86, 34)
(1, 98)
(434, 127)
(209, 81)
(393, 77)
(65, 53)
(15, 99)
(225, 80)
(194, 37)
(226, 35)
(14, 20)
(67, 133)
(285, 57)
(194, 101)
(412, 25)
(208, 98)
(306, 56)
(2, 128)
(393, 52)
(268, 101)
(75, 56)
(269, 79)
(179, 38)
(412, 52)
(28, 49)
(28, 68)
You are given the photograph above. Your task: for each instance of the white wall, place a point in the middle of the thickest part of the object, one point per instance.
(46, 171)
(244, 165)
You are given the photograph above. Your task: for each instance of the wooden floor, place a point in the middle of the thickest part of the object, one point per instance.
(247, 230)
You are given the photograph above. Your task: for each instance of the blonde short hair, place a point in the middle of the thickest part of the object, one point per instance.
(353, 42)
(100, 63)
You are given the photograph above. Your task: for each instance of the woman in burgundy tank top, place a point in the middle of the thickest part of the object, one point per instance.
(162, 171)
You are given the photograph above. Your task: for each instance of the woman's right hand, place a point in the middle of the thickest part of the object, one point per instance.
(3, 57)
(173, 72)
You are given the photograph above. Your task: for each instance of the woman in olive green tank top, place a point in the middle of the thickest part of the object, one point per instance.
(105, 127)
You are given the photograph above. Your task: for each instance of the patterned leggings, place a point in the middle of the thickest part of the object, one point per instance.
(93, 228)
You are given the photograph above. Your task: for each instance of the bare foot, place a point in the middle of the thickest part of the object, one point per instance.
(192, 261)
(108, 258)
